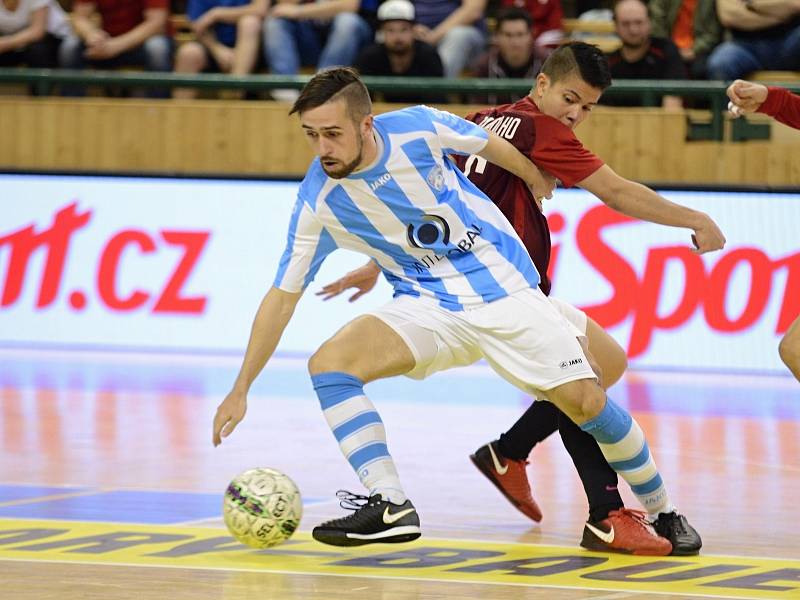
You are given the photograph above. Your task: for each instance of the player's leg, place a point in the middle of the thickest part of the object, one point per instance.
(539, 352)
(363, 350)
(789, 348)
(504, 461)
(407, 337)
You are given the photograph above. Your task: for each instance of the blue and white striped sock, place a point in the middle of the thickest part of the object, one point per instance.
(359, 430)
(623, 444)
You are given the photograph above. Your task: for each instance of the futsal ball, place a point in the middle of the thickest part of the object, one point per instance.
(262, 507)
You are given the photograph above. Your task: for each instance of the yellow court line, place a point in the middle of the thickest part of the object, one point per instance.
(427, 559)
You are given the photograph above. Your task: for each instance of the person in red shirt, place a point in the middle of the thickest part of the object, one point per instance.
(133, 33)
(541, 126)
(784, 107)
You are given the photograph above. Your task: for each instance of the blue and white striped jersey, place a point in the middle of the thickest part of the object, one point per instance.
(430, 229)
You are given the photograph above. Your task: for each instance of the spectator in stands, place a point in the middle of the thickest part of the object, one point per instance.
(228, 36)
(456, 28)
(546, 17)
(31, 32)
(765, 35)
(512, 55)
(643, 56)
(130, 33)
(318, 34)
(400, 54)
(692, 25)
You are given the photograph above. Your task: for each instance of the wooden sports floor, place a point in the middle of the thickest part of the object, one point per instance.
(110, 487)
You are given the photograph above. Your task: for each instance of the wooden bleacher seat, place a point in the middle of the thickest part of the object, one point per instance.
(775, 76)
(599, 33)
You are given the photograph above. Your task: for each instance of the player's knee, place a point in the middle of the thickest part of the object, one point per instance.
(580, 400)
(329, 358)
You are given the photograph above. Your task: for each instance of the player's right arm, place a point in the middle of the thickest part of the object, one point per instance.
(307, 245)
(271, 319)
(640, 202)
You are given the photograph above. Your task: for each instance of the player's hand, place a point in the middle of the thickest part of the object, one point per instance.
(542, 187)
(363, 279)
(228, 416)
(746, 97)
(707, 237)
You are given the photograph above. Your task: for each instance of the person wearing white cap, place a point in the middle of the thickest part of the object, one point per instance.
(400, 55)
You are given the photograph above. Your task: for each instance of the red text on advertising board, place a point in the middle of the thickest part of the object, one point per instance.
(55, 242)
(707, 289)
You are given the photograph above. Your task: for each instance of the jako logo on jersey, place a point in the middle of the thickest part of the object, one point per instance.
(505, 127)
(571, 363)
(380, 181)
(434, 230)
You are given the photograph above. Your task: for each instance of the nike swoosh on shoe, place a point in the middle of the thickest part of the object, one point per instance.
(501, 469)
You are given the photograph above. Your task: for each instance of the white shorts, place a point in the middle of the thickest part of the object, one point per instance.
(524, 338)
(573, 314)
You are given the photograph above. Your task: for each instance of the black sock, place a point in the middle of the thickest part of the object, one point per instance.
(599, 480)
(538, 422)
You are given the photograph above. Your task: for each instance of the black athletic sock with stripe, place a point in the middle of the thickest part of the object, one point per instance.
(534, 426)
(599, 480)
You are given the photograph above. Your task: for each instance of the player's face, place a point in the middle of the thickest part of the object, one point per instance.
(335, 137)
(398, 36)
(514, 42)
(632, 23)
(570, 100)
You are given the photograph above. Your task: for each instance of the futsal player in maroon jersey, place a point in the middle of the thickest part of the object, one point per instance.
(784, 107)
(540, 125)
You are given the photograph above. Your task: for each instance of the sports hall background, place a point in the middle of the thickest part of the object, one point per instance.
(136, 240)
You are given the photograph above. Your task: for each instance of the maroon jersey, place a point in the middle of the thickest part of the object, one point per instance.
(548, 143)
(783, 105)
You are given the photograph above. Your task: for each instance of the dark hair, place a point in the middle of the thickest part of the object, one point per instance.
(513, 14)
(618, 2)
(335, 83)
(587, 59)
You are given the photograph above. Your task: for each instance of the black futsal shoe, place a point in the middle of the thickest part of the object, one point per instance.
(374, 521)
(674, 526)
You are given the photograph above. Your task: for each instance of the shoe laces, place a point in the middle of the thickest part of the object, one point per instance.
(638, 517)
(351, 501)
(675, 522)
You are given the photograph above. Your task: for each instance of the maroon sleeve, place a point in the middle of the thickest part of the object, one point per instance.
(783, 105)
(560, 153)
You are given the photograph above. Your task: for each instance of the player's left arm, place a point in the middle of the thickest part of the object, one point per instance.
(503, 154)
(640, 202)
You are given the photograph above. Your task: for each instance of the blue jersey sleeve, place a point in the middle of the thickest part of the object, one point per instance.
(457, 135)
(307, 245)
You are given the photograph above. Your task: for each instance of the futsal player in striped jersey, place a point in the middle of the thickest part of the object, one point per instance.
(540, 126)
(465, 289)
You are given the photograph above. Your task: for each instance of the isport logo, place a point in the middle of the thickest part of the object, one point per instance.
(699, 288)
(54, 246)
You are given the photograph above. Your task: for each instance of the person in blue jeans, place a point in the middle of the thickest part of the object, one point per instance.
(319, 34)
(766, 39)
